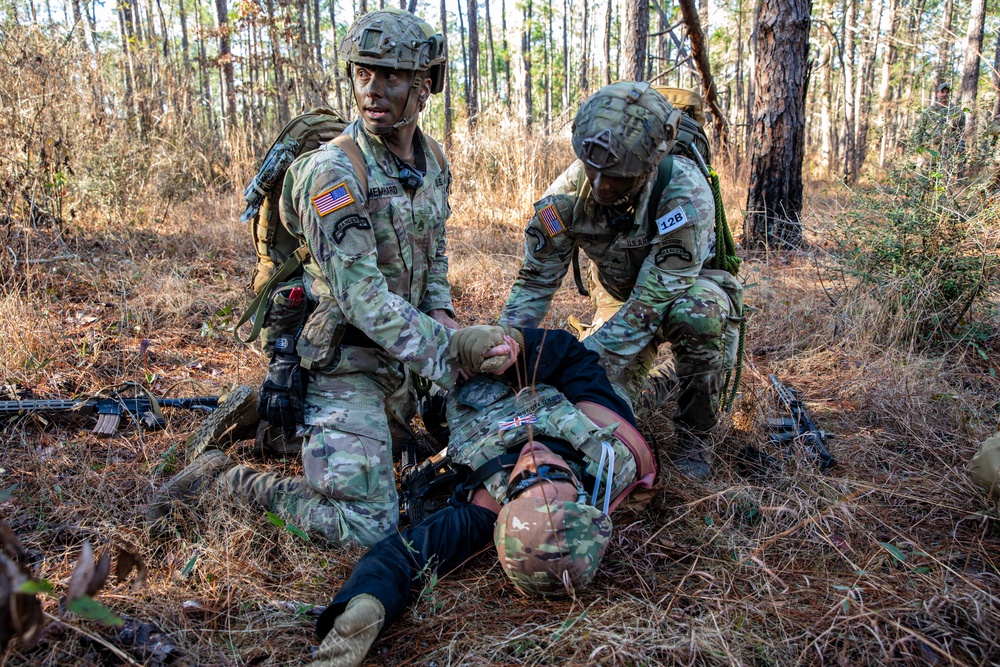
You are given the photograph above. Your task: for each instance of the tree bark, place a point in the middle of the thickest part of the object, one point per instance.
(447, 79)
(567, 70)
(585, 52)
(607, 45)
(774, 201)
(472, 94)
(506, 53)
(547, 65)
(280, 88)
(885, 119)
(943, 73)
(848, 37)
(699, 50)
(969, 87)
(226, 62)
(526, 59)
(866, 83)
(494, 91)
(996, 79)
(635, 32)
(336, 58)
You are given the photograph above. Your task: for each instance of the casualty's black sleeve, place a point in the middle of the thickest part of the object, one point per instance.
(557, 358)
(446, 539)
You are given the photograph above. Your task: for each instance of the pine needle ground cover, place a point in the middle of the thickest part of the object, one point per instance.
(139, 275)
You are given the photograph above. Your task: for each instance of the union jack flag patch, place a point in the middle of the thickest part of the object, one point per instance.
(336, 197)
(508, 424)
(550, 218)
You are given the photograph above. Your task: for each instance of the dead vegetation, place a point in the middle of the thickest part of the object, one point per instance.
(889, 558)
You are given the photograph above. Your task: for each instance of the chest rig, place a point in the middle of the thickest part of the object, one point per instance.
(489, 421)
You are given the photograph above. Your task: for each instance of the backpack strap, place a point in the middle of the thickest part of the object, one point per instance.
(256, 309)
(346, 143)
(436, 149)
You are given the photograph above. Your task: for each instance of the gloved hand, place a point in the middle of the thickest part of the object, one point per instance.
(470, 345)
(282, 395)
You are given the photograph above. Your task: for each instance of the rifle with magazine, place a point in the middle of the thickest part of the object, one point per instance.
(144, 409)
(426, 485)
(799, 428)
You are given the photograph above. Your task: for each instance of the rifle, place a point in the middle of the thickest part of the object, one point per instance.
(799, 428)
(421, 481)
(109, 411)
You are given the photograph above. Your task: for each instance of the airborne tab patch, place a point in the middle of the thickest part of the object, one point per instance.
(336, 197)
(550, 218)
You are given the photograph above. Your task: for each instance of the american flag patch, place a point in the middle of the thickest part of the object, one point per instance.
(508, 424)
(550, 218)
(336, 197)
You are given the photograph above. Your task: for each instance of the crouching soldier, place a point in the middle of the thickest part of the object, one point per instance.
(651, 278)
(553, 450)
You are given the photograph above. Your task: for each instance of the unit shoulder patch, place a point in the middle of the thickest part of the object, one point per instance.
(550, 218)
(335, 198)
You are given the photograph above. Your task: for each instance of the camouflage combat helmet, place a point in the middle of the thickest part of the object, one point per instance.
(550, 549)
(625, 129)
(395, 39)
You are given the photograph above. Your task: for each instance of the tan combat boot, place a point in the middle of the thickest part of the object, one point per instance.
(235, 418)
(352, 635)
(187, 483)
(694, 454)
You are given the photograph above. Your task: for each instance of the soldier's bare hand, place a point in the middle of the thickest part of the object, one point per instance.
(442, 317)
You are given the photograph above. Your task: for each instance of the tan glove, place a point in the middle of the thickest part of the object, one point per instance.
(469, 346)
(352, 635)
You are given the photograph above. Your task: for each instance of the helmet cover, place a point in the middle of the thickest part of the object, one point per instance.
(394, 39)
(550, 548)
(625, 129)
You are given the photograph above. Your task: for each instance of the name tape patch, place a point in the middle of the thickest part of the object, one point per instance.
(675, 219)
(383, 191)
(336, 197)
(550, 218)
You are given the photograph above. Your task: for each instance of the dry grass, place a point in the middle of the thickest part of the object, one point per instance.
(890, 558)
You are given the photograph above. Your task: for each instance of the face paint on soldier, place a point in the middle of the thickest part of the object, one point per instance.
(384, 98)
(613, 190)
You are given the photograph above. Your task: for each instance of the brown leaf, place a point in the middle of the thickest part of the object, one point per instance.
(100, 573)
(129, 558)
(26, 614)
(82, 575)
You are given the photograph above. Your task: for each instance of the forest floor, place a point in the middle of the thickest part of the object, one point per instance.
(891, 556)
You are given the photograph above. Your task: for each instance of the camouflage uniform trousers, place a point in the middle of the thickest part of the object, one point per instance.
(348, 491)
(703, 331)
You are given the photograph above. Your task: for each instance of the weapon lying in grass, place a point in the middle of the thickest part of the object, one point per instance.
(799, 428)
(423, 483)
(144, 409)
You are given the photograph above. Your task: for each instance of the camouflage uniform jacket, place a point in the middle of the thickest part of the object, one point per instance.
(377, 258)
(646, 267)
(939, 128)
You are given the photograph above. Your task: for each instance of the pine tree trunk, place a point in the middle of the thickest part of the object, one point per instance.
(585, 52)
(947, 38)
(635, 31)
(885, 119)
(226, 62)
(336, 58)
(526, 59)
(607, 45)
(567, 71)
(280, 87)
(774, 201)
(969, 87)
(547, 66)
(996, 79)
(472, 94)
(848, 37)
(699, 52)
(447, 79)
(506, 53)
(494, 91)
(866, 83)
